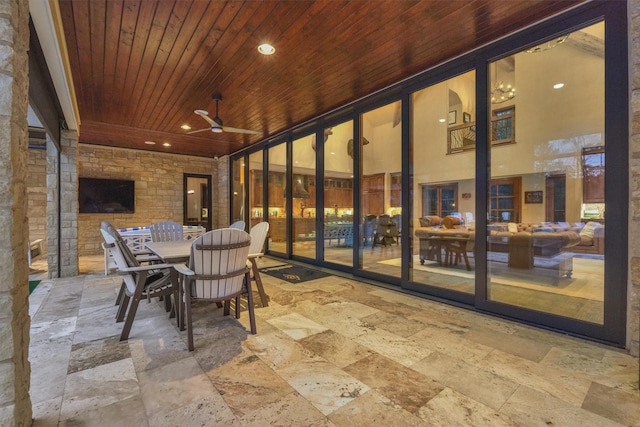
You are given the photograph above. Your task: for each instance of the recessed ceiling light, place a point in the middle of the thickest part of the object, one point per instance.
(266, 49)
(166, 144)
(185, 127)
(150, 142)
(558, 85)
(441, 120)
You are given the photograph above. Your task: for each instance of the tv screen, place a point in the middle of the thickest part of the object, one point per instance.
(96, 195)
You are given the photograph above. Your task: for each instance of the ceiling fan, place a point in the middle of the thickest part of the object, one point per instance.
(216, 122)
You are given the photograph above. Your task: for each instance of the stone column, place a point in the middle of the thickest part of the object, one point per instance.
(52, 209)
(68, 203)
(221, 192)
(633, 295)
(15, 370)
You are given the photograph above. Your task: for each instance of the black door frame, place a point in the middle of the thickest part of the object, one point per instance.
(209, 201)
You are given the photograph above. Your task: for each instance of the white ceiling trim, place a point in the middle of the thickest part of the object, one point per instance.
(46, 20)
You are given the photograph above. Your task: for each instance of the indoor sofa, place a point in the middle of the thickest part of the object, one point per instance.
(522, 242)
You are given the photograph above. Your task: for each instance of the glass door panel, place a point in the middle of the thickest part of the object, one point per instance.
(256, 188)
(381, 199)
(338, 194)
(546, 205)
(276, 212)
(443, 182)
(304, 197)
(198, 200)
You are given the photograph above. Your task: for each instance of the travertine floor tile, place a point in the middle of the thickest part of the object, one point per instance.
(450, 408)
(246, 383)
(324, 385)
(101, 386)
(373, 409)
(478, 384)
(291, 410)
(532, 408)
(336, 348)
(403, 386)
(616, 405)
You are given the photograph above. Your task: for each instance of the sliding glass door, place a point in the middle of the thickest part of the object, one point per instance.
(546, 237)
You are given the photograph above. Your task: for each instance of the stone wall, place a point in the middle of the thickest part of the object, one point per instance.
(158, 186)
(15, 370)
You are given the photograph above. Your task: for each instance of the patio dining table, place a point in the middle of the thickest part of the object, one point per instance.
(175, 251)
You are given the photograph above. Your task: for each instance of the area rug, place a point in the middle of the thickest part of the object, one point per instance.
(294, 273)
(586, 282)
(32, 285)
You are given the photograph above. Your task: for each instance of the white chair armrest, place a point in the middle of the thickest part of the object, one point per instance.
(144, 268)
(256, 255)
(183, 269)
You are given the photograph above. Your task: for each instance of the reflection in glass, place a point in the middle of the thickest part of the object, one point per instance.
(304, 197)
(338, 194)
(276, 213)
(256, 189)
(546, 191)
(443, 211)
(381, 180)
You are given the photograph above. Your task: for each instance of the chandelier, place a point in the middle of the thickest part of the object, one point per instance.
(548, 45)
(501, 92)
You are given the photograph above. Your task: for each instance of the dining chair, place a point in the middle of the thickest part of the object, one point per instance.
(138, 281)
(166, 231)
(370, 225)
(217, 272)
(240, 225)
(258, 235)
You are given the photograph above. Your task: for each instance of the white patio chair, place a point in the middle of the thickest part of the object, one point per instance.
(138, 281)
(166, 231)
(217, 272)
(239, 225)
(258, 235)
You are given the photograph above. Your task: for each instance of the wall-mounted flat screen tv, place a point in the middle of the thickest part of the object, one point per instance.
(97, 195)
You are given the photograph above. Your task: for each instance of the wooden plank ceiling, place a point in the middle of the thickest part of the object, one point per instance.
(141, 67)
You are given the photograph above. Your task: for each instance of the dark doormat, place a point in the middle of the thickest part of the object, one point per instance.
(32, 285)
(294, 273)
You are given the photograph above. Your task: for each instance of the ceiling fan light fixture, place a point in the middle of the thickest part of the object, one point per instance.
(216, 129)
(266, 49)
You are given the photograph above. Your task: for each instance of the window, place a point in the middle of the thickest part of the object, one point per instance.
(503, 126)
(593, 174)
(504, 200)
(439, 200)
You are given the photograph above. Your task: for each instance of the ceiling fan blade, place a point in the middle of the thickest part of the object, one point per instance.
(236, 130)
(199, 130)
(205, 115)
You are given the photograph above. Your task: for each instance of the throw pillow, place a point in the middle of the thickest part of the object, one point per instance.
(512, 227)
(589, 229)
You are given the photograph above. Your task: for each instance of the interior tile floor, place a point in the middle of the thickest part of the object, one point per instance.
(329, 352)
